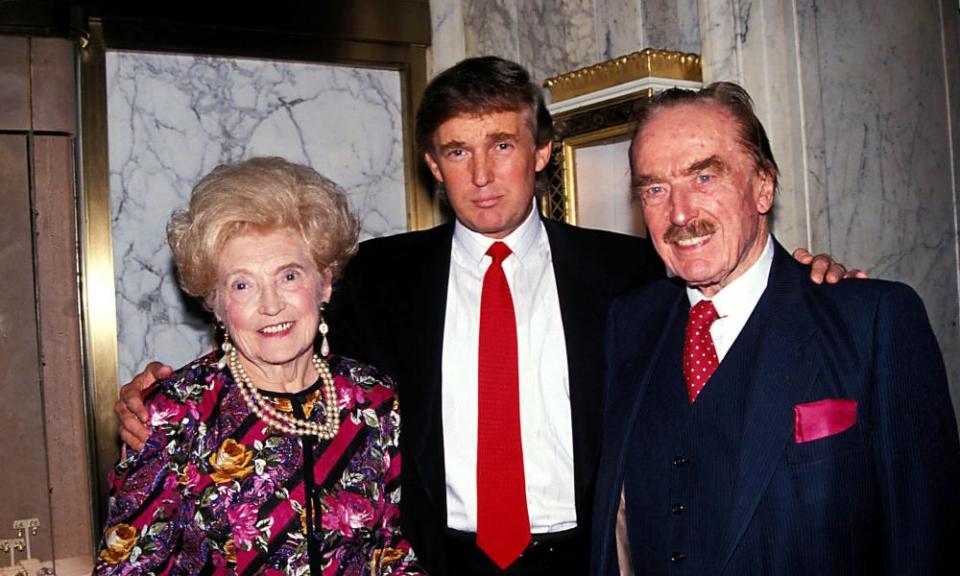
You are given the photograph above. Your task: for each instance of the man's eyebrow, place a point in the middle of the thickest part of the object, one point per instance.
(501, 136)
(641, 180)
(451, 145)
(712, 162)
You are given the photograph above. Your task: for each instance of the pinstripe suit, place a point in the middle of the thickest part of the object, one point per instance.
(722, 487)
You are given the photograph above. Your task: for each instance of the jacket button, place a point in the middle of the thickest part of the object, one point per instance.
(678, 509)
(677, 558)
(679, 462)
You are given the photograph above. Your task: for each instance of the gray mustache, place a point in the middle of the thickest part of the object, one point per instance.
(692, 229)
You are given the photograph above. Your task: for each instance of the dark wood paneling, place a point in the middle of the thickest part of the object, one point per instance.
(53, 84)
(24, 480)
(63, 391)
(14, 83)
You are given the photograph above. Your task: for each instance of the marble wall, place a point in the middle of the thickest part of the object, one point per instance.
(551, 38)
(860, 98)
(173, 118)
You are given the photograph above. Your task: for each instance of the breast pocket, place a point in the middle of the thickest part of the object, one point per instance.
(831, 472)
(830, 447)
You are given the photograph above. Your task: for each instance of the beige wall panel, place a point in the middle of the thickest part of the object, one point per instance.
(53, 85)
(63, 390)
(14, 82)
(23, 481)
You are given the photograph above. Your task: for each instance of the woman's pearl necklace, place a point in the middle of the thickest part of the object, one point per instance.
(264, 409)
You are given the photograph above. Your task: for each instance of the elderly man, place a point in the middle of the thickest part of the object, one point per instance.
(773, 426)
(490, 325)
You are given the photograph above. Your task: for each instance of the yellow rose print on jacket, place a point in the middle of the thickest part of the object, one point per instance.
(230, 552)
(118, 542)
(231, 462)
(384, 557)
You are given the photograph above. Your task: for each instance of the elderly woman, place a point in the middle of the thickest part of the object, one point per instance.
(269, 457)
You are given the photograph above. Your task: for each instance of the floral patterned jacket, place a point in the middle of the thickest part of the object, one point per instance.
(217, 491)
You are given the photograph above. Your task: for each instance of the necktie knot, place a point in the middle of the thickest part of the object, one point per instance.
(703, 314)
(499, 252)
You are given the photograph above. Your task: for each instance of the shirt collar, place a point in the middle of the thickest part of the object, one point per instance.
(744, 292)
(473, 246)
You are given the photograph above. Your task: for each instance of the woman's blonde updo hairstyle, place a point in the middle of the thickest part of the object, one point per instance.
(261, 195)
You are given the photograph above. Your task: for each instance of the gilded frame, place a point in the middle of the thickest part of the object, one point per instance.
(98, 288)
(597, 104)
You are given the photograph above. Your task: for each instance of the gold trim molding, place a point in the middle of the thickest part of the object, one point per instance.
(96, 265)
(647, 63)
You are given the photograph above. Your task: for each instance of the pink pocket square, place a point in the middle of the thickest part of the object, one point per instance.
(816, 420)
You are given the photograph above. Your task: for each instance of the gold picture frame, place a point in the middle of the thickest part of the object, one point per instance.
(595, 106)
(98, 302)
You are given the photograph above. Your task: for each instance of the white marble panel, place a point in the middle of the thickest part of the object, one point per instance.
(490, 28)
(547, 38)
(556, 37)
(447, 33)
(688, 26)
(550, 38)
(174, 118)
(619, 27)
(888, 200)
(719, 49)
(671, 25)
(788, 105)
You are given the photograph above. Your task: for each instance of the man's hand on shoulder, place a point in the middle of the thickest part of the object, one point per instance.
(823, 267)
(130, 410)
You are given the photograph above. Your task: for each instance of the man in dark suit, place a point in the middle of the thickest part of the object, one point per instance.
(769, 425)
(409, 304)
(413, 305)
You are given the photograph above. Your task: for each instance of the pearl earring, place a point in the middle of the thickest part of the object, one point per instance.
(324, 330)
(226, 348)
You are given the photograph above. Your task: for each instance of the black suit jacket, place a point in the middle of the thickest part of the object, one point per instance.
(881, 497)
(389, 311)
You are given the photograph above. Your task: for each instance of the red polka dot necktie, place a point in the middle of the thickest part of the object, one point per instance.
(699, 354)
(503, 527)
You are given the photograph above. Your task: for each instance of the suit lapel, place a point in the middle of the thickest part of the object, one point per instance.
(784, 372)
(426, 308)
(583, 307)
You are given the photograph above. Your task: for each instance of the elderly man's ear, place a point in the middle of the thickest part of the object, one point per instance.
(765, 193)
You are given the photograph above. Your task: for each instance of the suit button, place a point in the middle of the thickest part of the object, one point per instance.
(677, 558)
(679, 462)
(678, 509)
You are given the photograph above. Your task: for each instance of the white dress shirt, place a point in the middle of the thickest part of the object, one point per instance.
(546, 428)
(735, 301)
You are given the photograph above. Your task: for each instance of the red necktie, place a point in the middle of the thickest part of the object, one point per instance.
(699, 354)
(503, 527)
